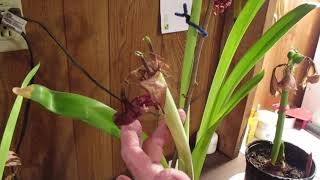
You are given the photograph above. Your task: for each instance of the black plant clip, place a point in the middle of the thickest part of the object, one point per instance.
(185, 14)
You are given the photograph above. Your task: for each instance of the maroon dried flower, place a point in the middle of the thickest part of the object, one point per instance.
(134, 109)
(221, 5)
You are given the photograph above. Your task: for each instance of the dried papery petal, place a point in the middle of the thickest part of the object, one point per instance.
(221, 5)
(10, 176)
(274, 89)
(313, 79)
(156, 62)
(274, 83)
(134, 109)
(137, 75)
(288, 81)
(13, 159)
(155, 88)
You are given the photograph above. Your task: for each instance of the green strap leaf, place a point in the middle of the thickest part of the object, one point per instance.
(12, 121)
(78, 107)
(239, 95)
(199, 153)
(74, 106)
(241, 25)
(257, 51)
(177, 131)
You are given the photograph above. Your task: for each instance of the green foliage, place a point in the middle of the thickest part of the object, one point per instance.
(179, 136)
(12, 121)
(280, 124)
(76, 106)
(222, 88)
(232, 43)
(199, 153)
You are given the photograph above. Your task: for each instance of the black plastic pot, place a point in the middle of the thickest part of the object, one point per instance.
(294, 156)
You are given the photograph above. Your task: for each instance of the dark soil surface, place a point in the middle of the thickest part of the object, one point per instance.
(261, 159)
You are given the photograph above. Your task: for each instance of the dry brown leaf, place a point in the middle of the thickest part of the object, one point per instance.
(313, 79)
(155, 88)
(13, 160)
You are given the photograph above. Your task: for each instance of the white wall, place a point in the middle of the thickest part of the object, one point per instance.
(311, 98)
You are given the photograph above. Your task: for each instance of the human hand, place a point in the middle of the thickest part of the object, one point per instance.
(144, 162)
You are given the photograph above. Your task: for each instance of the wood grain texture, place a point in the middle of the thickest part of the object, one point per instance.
(49, 141)
(88, 40)
(302, 37)
(129, 22)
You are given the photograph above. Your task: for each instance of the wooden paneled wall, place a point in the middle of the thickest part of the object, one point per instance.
(103, 35)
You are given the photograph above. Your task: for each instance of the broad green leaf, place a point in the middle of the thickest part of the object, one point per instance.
(78, 107)
(189, 51)
(257, 51)
(239, 28)
(199, 153)
(12, 121)
(239, 95)
(74, 106)
(179, 136)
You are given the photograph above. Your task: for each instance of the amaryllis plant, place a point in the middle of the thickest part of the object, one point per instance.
(224, 93)
(288, 84)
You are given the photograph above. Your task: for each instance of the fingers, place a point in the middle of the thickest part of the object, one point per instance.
(153, 145)
(134, 126)
(122, 177)
(171, 174)
(182, 115)
(136, 160)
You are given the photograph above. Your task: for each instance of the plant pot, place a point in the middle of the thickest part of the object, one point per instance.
(294, 156)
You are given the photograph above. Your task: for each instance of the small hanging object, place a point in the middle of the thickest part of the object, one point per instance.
(185, 14)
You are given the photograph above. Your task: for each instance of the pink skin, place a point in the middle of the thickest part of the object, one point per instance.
(144, 163)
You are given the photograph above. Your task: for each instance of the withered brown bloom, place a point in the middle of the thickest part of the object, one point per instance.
(147, 76)
(311, 75)
(221, 5)
(288, 81)
(134, 109)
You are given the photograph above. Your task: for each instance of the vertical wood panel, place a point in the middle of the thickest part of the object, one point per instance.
(87, 31)
(130, 21)
(48, 144)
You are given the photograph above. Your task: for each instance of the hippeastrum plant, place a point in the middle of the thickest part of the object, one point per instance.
(284, 86)
(224, 93)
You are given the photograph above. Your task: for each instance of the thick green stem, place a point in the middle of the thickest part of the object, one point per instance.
(280, 124)
(178, 134)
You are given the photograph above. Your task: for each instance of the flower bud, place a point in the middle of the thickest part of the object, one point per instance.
(295, 56)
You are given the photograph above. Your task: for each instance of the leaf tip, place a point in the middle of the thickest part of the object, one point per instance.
(25, 92)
